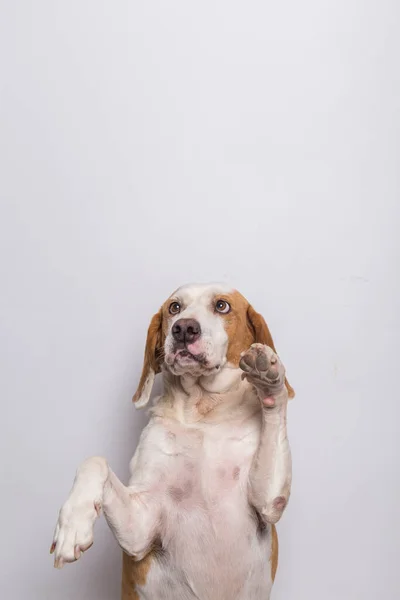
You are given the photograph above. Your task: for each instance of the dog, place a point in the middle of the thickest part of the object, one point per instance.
(211, 475)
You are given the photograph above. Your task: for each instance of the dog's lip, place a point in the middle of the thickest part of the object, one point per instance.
(200, 358)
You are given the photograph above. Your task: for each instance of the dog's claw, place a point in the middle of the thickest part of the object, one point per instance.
(58, 563)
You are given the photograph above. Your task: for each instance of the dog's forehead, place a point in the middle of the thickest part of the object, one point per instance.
(193, 292)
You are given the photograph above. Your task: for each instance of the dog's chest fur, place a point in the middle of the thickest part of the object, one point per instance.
(210, 538)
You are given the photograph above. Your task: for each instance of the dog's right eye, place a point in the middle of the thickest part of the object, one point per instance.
(174, 308)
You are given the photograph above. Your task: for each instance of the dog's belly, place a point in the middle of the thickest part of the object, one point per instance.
(213, 547)
(220, 559)
(221, 556)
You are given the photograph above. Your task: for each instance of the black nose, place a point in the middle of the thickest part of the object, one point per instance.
(186, 331)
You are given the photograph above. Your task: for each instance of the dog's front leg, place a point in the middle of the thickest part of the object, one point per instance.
(271, 471)
(131, 512)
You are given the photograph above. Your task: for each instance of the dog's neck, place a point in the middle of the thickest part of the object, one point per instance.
(213, 398)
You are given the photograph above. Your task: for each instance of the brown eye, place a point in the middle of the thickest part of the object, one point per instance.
(174, 308)
(222, 306)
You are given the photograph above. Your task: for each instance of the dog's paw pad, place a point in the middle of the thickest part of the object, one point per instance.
(260, 364)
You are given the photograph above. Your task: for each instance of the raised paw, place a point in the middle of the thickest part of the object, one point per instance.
(74, 531)
(263, 368)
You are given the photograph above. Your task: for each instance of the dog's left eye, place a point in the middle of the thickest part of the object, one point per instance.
(222, 306)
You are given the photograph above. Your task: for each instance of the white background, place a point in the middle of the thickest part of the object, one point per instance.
(148, 144)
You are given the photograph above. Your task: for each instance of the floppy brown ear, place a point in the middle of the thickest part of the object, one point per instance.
(262, 335)
(152, 360)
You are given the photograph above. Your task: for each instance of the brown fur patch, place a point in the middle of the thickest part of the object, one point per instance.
(134, 572)
(244, 327)
(237, 327)
(153, 352)
(274, 552)
(207, 403)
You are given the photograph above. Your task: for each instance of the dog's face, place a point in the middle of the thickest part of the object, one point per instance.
(198, 331)
(196, 321)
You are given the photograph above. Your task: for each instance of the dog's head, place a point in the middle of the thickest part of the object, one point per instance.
(198, 331)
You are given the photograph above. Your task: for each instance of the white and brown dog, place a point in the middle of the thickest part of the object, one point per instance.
(212, 471)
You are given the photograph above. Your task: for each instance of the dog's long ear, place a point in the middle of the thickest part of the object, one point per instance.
(152, 360)
(262, 335)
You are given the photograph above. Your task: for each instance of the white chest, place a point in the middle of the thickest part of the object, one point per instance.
(208, 532)
(205, 465)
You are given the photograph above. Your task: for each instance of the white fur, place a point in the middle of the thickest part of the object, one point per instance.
(211, 458)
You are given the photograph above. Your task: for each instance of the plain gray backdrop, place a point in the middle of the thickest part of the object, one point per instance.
(148, 144)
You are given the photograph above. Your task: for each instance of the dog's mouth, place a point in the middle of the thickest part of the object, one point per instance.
(184, 356)
(182, 361)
